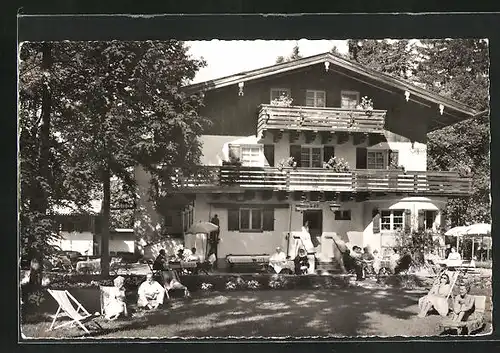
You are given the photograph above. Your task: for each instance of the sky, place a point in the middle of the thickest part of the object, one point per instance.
(225, 58)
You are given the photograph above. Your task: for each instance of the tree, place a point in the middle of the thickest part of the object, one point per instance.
(392, 57)
(459, 68)
(121, 105)
(456, 68)
(295, 55)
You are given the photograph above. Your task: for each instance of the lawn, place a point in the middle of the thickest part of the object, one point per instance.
(359, 311)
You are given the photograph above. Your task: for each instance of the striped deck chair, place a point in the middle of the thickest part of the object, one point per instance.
(473, 323)
(67, 302)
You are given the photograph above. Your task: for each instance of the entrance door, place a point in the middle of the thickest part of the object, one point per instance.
(315, 221)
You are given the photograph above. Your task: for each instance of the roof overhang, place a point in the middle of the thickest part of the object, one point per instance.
(448, 111)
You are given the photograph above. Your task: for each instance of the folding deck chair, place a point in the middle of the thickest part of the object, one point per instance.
(78, 316)
(473, 323)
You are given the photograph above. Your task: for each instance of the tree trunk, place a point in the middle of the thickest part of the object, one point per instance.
(39, 196)
(106, 204)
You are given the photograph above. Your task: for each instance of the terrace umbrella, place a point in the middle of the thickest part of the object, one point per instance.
(478, 230)
(456, 232)
(203, 227)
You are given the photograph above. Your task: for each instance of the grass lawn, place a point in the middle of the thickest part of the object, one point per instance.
(363, 310)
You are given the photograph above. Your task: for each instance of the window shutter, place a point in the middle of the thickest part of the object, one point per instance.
(268, 219)
(269, 154)
(394, 158)
(295, 153)
(328, 152)
(421, 220)
(376, 221)
(234, 152)
(233, 219)
(360, 158)
(407, 221)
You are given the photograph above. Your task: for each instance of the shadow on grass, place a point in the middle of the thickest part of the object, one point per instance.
(340, 312)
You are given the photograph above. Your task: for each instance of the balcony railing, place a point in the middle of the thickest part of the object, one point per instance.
(300, 118)
(305, 179)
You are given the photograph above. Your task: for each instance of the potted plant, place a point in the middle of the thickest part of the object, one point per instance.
(366, 105)
(287, 163)
(337, 165)
(282, 101)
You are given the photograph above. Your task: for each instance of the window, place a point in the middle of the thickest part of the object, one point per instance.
(251, 156)
(315, 98)
(343, 215)
(429, 218)
(392, 220)
(310, 157)
(349, 99)
(250, 219)
(278, 92)
(187, 219)
(375, 159)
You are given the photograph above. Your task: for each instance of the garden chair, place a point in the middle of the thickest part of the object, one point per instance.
(105, 299)
(78, 316)
(473, 323)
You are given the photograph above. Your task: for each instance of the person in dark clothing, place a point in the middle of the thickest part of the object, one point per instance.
(301, 262)
(214, 236)
(354, 262)
(403, 264)
(160, 263)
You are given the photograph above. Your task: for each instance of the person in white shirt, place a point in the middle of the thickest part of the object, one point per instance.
(309, 246)
(454, 255)
(277, 260)
(193, 256)
(150, 293)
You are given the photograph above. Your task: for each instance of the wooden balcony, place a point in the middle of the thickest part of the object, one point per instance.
(307, 119)
(229, 179)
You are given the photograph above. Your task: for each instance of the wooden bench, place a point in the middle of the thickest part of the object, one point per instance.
(258, 260)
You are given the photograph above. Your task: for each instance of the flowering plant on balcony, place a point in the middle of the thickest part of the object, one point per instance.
(253, 284)
(282, 101)
(338, 165)
(206, 286)
(366, 105)
(287, 163)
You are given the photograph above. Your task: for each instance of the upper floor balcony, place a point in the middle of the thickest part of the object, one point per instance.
(220, 179)
(314, 119)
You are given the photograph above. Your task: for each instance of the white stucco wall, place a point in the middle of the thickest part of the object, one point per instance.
(357, 231)
(75, 241)
(412, 156)
(414, 204)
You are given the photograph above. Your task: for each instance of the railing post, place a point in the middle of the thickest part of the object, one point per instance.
(353, 180)
(415, 182)
(287, 181)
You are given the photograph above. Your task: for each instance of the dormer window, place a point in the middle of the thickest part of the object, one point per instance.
(349, 99)
(279, 92)
(315, 98)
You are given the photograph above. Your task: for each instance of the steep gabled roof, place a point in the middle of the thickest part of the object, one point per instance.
(397, 85)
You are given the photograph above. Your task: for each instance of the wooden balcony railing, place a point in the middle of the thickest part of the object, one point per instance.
(300, 118)
(305, 179)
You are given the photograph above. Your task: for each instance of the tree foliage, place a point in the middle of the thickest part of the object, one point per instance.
(293, 56)
(455, 68)
(95, 110)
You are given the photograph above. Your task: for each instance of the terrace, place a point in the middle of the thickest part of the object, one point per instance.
(227, 178)
(307, 119)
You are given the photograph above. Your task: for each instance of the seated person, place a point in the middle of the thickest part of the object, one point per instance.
(377, 261)
(277, 260)
(150, 293)
(171, 281)
(437, 297)
(193, 257)
(356, 262)
(160, 261)
(403, 264)
(463, 304)
(301, 262)
(367, 258)
(394, 259)
(116, 305)
(454, 258)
